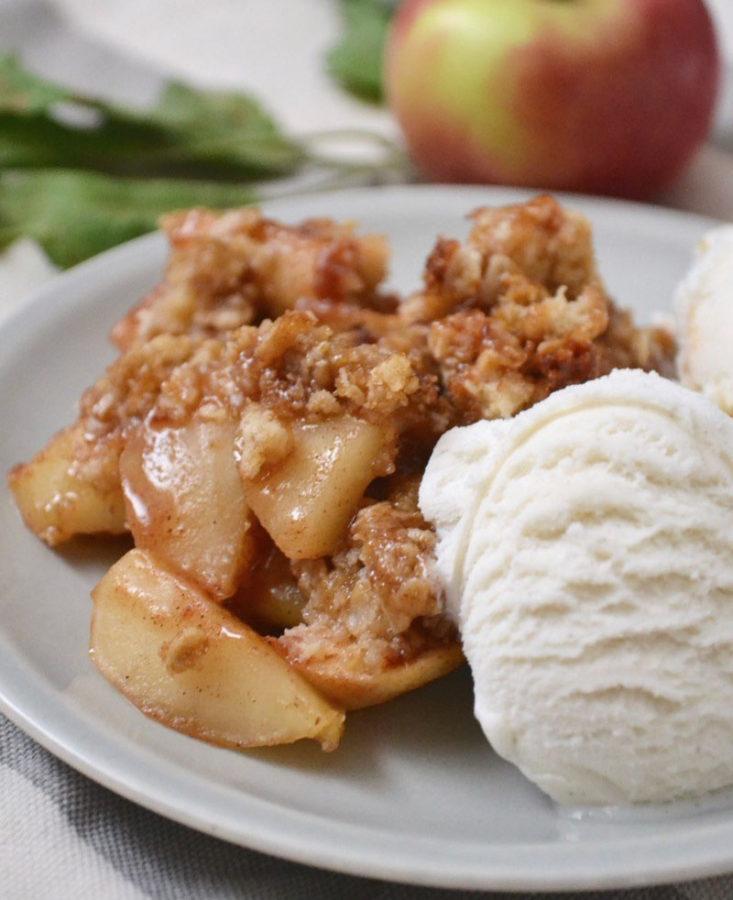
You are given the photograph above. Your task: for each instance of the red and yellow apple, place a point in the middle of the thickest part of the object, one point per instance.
(600, 96)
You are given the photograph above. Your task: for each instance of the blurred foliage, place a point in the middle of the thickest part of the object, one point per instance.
(22, 92)
(80, 175)
(75, 214)
(356, 61)
(191, 132)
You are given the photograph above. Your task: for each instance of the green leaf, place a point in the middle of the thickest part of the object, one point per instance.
(22, 92)
(39, 140)
(356, 61)
(75, 215)
(226, 130)
(181, 105)
(190, 132)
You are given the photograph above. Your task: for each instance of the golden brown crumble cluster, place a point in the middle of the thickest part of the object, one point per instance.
(519, 311)
(376, 587)
(515, 312)
(236, 268)
(294, 369)
(131, 386)
(271, 327)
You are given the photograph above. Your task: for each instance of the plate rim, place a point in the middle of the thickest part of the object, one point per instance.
(119, 776)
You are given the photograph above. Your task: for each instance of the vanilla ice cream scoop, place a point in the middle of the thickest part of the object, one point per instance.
(705, 319)
(587, 550)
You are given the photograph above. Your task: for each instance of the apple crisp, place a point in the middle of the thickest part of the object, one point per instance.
(264, 431)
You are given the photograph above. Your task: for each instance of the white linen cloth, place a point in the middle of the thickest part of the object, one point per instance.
(62, 835)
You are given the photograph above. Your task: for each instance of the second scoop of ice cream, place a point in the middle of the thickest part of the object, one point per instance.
(705, 319)
(587, 549)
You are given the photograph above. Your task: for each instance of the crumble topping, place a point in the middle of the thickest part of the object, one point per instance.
(368, 595)
(266, 327)
(237, 268)
(261, 441)
(519, 311)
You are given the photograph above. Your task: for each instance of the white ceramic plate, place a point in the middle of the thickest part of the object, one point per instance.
(414, 793)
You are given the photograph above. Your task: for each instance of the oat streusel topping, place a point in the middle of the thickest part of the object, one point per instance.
(267, 328)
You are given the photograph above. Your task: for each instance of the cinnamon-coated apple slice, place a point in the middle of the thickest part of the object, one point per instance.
(187, 662)
(306, 501)
(58, 499)
(345, 680)
(185, 502)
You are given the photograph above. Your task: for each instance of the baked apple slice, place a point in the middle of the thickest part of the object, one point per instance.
(269, 598)
(351, 682)
(72, 486)
(187, 662)
(57, 500)
(306, 501)
(185, 502)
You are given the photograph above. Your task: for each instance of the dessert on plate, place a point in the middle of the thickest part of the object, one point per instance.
(263, 436)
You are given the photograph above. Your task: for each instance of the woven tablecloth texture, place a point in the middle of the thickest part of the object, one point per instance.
(62, 835)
